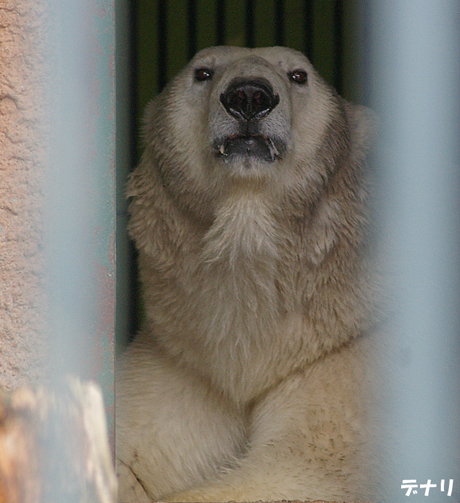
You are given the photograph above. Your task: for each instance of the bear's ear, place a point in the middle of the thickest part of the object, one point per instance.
(334, 212)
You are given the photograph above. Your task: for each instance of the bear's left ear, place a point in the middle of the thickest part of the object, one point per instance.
(339, 212)
(364, 124)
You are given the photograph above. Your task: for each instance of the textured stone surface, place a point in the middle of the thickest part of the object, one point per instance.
(22, 160)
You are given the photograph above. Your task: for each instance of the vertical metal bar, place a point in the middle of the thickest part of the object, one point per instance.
(126, 153)
(130, 72)
(191, 27)
(133, 300)
(162, 42)
(79, 214)
(416, 92)
(250, 24)
(279, 22)
(338, 45)
(220, 22)
(309, 28)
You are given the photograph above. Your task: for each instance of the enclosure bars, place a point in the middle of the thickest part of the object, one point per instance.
(279, 22)
(79, 213)
(127, 319)
(162, 41)
(338, 46)
(249, 16)
(415, 88)
(309, 23)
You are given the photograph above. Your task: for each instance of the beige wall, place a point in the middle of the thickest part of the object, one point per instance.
(22, 158)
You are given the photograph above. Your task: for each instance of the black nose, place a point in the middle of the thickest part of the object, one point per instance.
(249, 99)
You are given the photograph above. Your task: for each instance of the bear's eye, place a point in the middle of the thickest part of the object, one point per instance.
(298, 76)
(202, 74)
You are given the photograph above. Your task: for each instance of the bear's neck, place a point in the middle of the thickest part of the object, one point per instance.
(241, 289)
(244, 231)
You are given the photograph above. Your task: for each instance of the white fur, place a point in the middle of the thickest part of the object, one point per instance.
(252, 377)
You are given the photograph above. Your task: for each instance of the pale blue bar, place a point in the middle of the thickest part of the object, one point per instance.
(416, 82)
(79, 216)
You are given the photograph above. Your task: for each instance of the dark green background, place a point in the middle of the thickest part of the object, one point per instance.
(326, 54)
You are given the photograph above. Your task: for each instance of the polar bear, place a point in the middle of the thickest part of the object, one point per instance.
(252, 376)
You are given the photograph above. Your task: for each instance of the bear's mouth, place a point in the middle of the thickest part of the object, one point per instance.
(261, 147)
